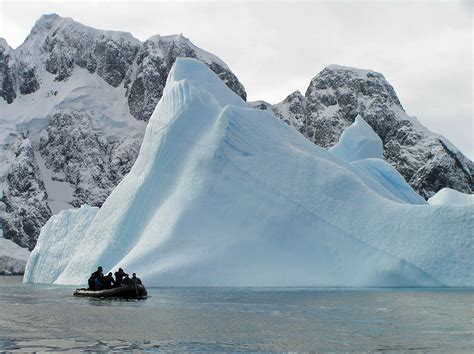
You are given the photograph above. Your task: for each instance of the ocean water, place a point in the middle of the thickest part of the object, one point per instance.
(42, 318)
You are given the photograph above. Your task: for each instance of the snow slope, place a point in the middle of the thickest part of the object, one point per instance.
(225, 195)
(448, 196)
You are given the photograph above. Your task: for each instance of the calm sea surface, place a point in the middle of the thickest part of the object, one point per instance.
(39, 318)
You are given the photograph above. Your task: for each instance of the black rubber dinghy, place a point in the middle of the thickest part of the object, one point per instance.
(124, 292)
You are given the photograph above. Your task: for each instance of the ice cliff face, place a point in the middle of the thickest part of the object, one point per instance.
(334, 98)
(222, 194)
(81, 98)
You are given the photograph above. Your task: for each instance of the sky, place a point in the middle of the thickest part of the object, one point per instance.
(423, 48)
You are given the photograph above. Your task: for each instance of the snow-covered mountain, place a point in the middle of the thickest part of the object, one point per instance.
(429, 162)
(74, 102)
(222, 194)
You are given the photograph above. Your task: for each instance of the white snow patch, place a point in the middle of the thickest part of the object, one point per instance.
(60, 193)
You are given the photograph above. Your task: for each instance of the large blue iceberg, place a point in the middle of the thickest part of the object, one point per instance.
(226, 195)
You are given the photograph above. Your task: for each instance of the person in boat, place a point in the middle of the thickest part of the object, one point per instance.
(93, 278)
(135, 280)
(108, 281)
(119, 277)
(126, 280)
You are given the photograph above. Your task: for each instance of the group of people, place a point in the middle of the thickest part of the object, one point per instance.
(99, 281)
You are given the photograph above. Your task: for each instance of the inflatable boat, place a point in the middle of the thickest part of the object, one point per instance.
(131, 291)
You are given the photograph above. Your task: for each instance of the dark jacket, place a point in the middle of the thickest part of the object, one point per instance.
(136, 280)
(118, 278)
(108, 282)
(97, 274)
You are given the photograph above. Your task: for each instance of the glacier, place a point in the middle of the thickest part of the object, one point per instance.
(222, 194)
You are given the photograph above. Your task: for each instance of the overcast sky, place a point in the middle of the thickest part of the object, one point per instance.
(424, 48)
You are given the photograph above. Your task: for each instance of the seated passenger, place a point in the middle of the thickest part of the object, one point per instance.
(118, 277)
(92, 279)
(135, 280)
(99, 283)
(126, 280)
(108, 281)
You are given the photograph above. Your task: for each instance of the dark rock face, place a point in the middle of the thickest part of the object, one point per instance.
(69, 45)
(7, 75)
(92, 162)
(229, 78)
(292, 110)
(116, 57)
(24, 197)
(333, 100)
(29, 82)
(113, 59)
(154, 61)
(147, 87)
(335, 97)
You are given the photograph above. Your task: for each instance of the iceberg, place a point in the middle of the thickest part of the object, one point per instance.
(222, 194)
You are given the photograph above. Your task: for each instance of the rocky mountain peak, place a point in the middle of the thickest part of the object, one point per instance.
(350, 86)
(294, 96)
(338, 94)
(47, 22)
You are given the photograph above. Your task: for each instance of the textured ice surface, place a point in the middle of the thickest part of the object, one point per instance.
(225, 195)
(59, 238)
(448, 196)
